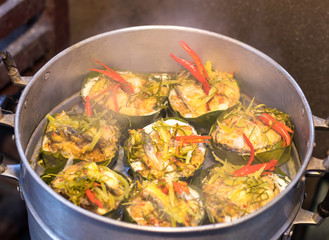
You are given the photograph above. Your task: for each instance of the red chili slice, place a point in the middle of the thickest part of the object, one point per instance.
(252, 150)
(196, 59)
(88, 109)
(193, 139)
(115, 76)
(180, 187)
(197, 70)
(277, 126)
(246, 170)
(90, 196)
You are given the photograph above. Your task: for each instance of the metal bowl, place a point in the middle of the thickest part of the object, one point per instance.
(146, 49)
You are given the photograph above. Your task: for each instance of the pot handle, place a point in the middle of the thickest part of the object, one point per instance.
(17, 80)
(7, 110)
(323, 167)
(12, 171)
(316, 167)
(320, 122)
(323, 207)
(12, 70)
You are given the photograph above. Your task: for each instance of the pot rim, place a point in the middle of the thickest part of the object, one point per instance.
(132, 226)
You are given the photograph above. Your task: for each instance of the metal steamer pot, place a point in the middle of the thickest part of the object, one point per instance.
(146, 49)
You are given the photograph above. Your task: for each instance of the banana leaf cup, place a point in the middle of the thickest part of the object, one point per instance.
(201, 93)
(81, 137)
(164, 203)
(135, 99)
(189, 100)
(90, 186)
(228, 197)
(168, 148)
(261, 133)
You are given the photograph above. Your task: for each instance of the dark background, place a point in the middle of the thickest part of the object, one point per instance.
(293, 33)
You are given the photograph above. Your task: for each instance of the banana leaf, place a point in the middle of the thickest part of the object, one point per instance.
(281, 154)
(51, 172)
(50, 159)
(202, 123)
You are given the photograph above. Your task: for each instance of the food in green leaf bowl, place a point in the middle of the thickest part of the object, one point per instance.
(258, 132)
(229, 197)
(165, 203)
(167, 148)
(85, 138)
(93, 187)
(136, 98)
(202, 93)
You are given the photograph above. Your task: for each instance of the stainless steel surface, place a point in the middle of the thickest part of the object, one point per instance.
(12, 70)
(147, 49)
(12, 171)
(317, 219)
(317, 167)
(320, 122)
(21, 81)
(7, 119)
(303, 217)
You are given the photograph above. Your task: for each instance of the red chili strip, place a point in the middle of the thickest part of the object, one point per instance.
(274, 121)
(93, 199)
(195, 141)
(192, 137)
(252, 150)
(194, 71)
(180, 187)
(246, 170)
(88, 109)
(165, 190)
(196, 59)
(277, 126)
(125, 85)
(98, 202)
(90, 196)
(115, 76)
